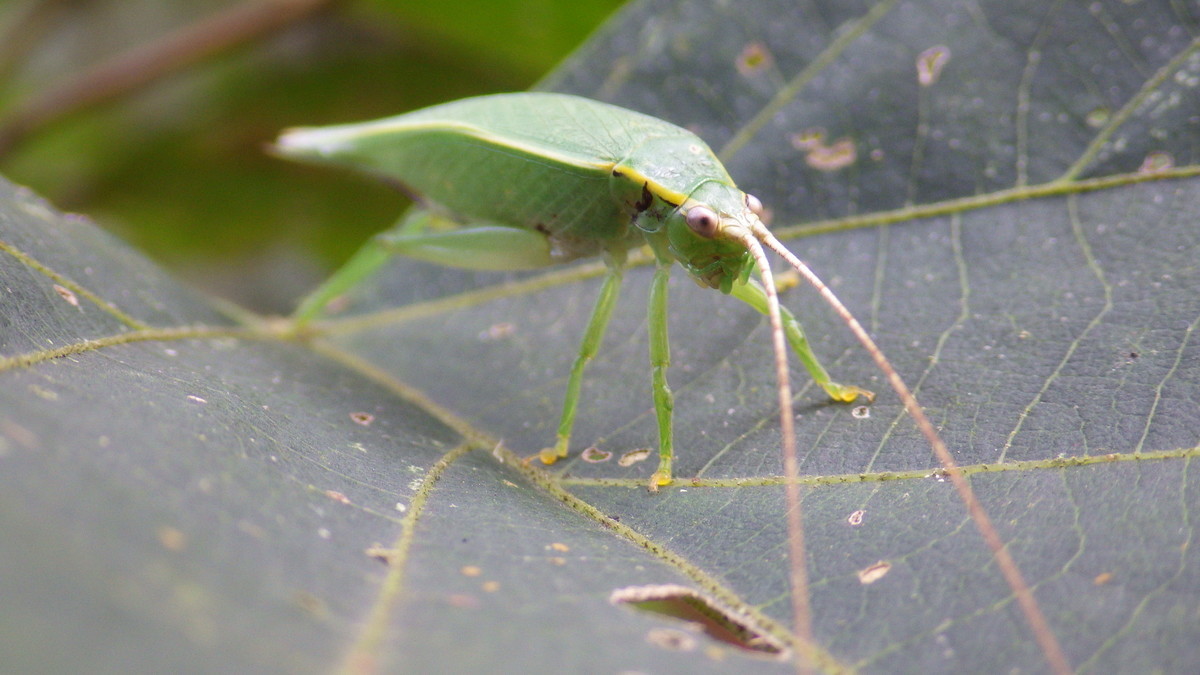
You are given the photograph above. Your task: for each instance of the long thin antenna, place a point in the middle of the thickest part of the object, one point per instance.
(1008, 567)
(798, 572)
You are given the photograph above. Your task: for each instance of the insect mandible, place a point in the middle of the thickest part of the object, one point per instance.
(529, 180)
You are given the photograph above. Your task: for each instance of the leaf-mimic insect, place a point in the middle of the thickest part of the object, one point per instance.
(535, 179)
(530, 180)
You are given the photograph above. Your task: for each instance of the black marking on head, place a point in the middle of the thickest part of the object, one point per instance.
(646, 200)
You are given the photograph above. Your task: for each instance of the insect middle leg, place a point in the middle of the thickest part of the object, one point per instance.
(592, 336)
(660, 359)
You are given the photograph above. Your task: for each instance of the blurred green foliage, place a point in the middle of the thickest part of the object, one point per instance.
(179, 166)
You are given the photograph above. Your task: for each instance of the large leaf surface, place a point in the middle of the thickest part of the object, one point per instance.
(185, 492)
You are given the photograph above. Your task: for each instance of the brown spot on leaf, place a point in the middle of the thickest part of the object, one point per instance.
(872, 573)
(754, 59)
(633, 457)
(595, 455)
(930, 63)
(672, 639)
(172, 539)
(837, 155)
(67, 294)
(1157, 162)
(337, 497)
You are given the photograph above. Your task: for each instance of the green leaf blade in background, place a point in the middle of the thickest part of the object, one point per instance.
(188, 148)
(1000, 231)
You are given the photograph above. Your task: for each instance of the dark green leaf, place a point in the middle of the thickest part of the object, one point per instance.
(1019, 235)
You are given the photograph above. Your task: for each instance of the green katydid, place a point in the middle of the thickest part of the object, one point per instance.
(536, 179)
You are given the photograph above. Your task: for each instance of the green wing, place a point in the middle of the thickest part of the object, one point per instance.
(534, 160)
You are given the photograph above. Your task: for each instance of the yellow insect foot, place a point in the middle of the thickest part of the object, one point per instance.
(546, 455)
(847, 393)
(660, 479)
(786, 281)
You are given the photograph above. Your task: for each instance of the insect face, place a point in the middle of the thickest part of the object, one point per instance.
(707, 234)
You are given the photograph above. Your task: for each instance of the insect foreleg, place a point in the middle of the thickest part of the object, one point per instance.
(753, 294)
(592, 336)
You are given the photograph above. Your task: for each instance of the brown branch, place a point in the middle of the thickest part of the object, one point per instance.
(25, 30)
(143, 65)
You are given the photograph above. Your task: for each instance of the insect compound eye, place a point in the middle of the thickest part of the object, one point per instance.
(755, 205)
(703, 221)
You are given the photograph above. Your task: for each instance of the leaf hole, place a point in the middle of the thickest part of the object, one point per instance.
(702, 613)
(595, 455)
(633, 457)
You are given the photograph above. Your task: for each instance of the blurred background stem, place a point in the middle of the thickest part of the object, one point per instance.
(152, 117)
